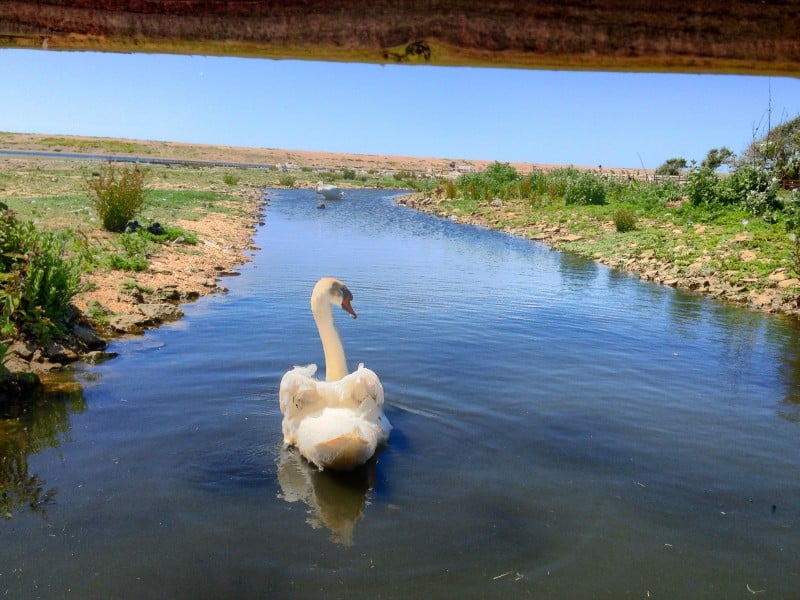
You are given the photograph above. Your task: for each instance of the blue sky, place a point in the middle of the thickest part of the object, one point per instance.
(564, 117)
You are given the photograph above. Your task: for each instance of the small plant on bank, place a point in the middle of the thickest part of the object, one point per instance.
(286, 181)
(624, 220)
(37, 279)
(450, 190)
(134, 252)
(230, 179)
(97, 313)
(117, 194)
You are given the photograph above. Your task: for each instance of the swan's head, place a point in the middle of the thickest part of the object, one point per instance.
(334, 291)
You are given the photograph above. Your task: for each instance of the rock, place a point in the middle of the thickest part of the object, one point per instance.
(22, 348)
(128, 323)
(45, 367)
(86, 336)
(748, 255)
(161, 312)
(58, 353)
(761, 300)
(778, 275)
(97, 356)
(787, 283)
(15, 364)
(168, 292)
(16, 384)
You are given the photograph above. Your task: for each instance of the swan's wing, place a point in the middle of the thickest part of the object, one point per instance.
(296, 388)
(372, 384)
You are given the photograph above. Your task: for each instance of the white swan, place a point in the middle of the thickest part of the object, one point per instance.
(330, 192)
(337, 423)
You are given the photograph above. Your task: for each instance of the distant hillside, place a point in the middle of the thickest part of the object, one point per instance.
(265, 156)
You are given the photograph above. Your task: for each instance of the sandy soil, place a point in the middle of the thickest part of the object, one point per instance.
(225, 241)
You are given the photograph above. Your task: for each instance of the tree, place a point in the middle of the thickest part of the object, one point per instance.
(671, 166)
(717, 157)
(778, 151)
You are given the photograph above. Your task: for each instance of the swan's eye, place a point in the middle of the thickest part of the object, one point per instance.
(340, 289)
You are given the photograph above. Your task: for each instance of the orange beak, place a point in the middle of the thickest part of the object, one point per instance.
(348, 307)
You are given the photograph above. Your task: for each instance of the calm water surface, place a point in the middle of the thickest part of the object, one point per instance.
(561, 431)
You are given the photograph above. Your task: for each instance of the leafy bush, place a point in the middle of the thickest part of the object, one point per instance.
(558, 181)
(348, 174)
(135, 249)
(498, 180)
(117, 194)
(537, 187)
(286, 180)
(230, 179)
(624, 220)
(585, 188)
(170, 233)
(37, 280)
(703, 187)
(754, 189)
(499, 176)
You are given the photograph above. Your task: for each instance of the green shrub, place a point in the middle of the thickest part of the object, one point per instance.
(37, 279)
(450, 190)
(169, 233)
(624, 220)
(753, 188)
(230, 179)
(133, 257)
(558, 180)
(286, 180)
(348, 174)
(703, 187)
(117, 194)
(585, 188)
(538, 184)
(499, 177)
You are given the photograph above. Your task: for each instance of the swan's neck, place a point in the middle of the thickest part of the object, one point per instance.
(335, 361)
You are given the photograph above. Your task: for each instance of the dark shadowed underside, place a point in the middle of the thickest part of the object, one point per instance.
(714, 36)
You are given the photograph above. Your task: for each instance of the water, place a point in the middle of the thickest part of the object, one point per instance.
(561, 431)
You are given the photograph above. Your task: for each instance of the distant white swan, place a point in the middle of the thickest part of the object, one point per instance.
(337, 423)
(330, 192)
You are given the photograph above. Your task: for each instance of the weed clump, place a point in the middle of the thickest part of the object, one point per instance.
(117, 194)
(585, 188)
(624, 220)
(37, 279)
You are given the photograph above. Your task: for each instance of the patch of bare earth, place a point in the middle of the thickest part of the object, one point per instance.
(177, 271)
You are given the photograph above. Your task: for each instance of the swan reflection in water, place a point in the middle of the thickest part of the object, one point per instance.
(336, 499)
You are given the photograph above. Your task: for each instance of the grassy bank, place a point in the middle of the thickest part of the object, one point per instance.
(652, 229)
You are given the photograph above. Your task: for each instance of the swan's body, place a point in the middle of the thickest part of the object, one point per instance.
(337, 423)
(330, 192)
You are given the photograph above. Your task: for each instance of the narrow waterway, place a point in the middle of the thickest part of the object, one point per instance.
(561, 431)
